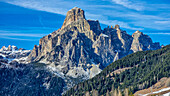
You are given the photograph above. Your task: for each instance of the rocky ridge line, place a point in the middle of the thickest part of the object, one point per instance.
(80, 48)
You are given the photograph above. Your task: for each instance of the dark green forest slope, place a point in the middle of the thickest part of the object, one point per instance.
(28, 80)
(143, 69)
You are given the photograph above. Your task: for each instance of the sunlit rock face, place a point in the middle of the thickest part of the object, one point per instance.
(142, 42)
(81, 48)
(73, 15)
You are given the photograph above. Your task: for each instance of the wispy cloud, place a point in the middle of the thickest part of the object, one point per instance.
(20, 34)
(6, 37)
(159, 33)
(38, 5)
(4, 31)
(43, 6)
(162, 22)
(135, 15)
(129, 4)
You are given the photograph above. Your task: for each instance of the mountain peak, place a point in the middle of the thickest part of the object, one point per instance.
(117, 27)
(73, 15)
(75, 8)
(137, 33)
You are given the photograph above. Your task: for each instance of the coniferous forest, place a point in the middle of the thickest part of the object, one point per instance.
(143, 69)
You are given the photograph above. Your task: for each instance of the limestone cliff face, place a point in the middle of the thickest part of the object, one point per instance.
(142, 42)
(112, 41)
(73, 15)
(80, 47)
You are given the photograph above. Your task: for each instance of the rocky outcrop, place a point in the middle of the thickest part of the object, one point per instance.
(9, 48)
(112, 43)
(81, 48)
(3, 48)
(143, 42)
(73, 15)
(34, 53)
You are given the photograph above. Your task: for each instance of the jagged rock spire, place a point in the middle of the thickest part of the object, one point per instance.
(117, 27)
(141, 42)
(9, 48)
(137, 33)
(73, 15)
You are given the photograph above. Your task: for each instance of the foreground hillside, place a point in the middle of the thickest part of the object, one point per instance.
(28, 80)
(161, 87)
(134, 72)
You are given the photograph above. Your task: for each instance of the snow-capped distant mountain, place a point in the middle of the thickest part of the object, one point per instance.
(13, 53)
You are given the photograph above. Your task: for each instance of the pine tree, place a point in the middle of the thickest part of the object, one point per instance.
(115, 93)
(107, 94)
(119, 92)
(112, 91)
(95, 93)
(126, 92)
(87, 93)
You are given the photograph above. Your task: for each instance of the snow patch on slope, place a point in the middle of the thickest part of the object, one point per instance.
(162, 90)
(76, 72)
(104, 35)
(94, 70)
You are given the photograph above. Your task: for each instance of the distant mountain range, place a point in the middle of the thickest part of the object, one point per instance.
(11, 53)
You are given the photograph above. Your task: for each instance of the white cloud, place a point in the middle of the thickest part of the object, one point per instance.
(43, 6)
(162, 22)
(107, 12)
(20, 34)
(159, 33)
(4, 31)
(129, 4)
(38, 5)
(6, 37)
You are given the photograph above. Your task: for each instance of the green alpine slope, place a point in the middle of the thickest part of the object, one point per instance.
(134, 72)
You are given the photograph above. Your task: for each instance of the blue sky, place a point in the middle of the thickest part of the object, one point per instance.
(29, 20)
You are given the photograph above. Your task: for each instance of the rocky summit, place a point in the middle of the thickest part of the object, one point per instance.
(80, 48)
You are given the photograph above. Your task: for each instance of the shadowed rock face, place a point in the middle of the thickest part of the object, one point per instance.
(142, 42)
(81, 48)
(28, 80)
